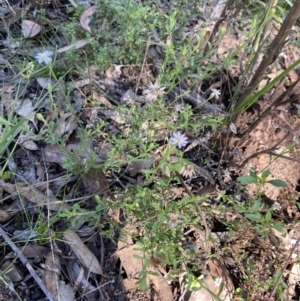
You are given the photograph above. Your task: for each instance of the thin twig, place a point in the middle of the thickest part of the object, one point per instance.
(28, 265)
(281, 273)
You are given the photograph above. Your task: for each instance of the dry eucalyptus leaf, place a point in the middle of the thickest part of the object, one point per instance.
(30, 145)
(52, 272)
(25, 109)
(30, 29)
(83, 253)
(162, 287)
(85, 18)
(76, 45)
(44, 82)
(12, 271)
(34, 196)
(131, 264)
(29, 251)
(136, 167)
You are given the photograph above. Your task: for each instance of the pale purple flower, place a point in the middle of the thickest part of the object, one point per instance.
(215, 93)
(179, 139)
(44, 57)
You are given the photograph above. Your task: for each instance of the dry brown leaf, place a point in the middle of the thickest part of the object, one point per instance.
(28, 251)
(131, 264)
(34, 196)
(136, 167)
(51, 272)
(30, 29)
(29, 144)
(65, 292)
(24, 108)
(83, 253)
(66, 124)
(44, 82)
(95, 181)
(129, 284)
(212, 283)
(54, 154)
(162, 287)
(100, 99)
(12, 271)
(76, 45)
(84, 18)
(204, 173)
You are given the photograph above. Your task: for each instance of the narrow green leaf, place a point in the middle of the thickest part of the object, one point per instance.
(278, 227)
(254, 175)
(278, 183)
(247, 179)
(256, 206)
(265, 174)
(255, 217)
(268, 216)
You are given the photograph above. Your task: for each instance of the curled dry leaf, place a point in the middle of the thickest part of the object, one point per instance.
(84, 18)
(30, 29)
(83, 253)
(51, 273)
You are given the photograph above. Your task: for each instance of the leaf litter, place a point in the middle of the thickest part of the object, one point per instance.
(82, 259)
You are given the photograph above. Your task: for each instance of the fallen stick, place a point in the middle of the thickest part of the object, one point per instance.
(28, 265)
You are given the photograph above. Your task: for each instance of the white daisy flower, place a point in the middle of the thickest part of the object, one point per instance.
(154, 91)
(215, 93)
(44, 57)
(179, 139)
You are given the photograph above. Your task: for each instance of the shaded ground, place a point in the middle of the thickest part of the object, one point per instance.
(41, 199)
